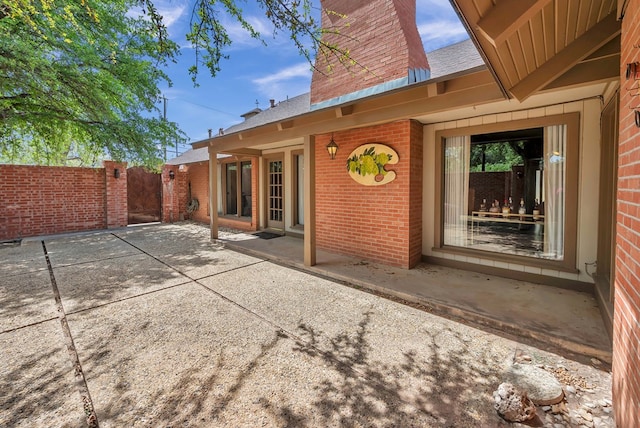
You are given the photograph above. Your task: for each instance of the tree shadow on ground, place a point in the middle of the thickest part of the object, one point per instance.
(451, 385)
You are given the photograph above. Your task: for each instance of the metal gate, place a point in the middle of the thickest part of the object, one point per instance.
(144, 195)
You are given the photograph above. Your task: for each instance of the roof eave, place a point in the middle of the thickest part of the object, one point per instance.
(429, 88)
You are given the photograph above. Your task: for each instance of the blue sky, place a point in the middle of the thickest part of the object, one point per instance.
(254, 72)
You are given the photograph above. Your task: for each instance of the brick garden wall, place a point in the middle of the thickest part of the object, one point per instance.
(42, 200)
(381, 223)
(626, 324)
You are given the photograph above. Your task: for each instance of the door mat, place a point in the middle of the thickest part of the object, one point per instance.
(267, 235)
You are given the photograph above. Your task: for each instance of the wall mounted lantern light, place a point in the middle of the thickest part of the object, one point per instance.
(116, 173)
(332, 148)
(172, 175)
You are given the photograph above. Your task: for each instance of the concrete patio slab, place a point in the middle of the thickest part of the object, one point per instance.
(566, 318)
(26, 299)
(165, 239)
(427, 358)
(257, 345)
(186, 357)
(36, 379)
(101, 282)
(18, 259)
(83, 248)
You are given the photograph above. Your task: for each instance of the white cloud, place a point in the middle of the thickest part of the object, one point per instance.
(241, 37)
(290, 81)
(440, 33)
(171, 12)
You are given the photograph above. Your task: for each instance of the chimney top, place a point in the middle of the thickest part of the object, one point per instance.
(251, 113)
(272, 102)
(221, 131)
(382, 36)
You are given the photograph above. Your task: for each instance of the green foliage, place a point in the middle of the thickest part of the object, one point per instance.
(368, 162)
(498, 157)
(79, 80)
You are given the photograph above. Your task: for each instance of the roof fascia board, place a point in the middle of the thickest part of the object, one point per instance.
(474, 38)
(385, 109)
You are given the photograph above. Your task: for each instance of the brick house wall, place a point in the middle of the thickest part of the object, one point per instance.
(381, 223)
(386, 45)
(626, 323)
(43, 200)
(174, 194)
(198, 177)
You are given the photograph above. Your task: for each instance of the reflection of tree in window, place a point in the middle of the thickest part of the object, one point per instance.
(507, 170)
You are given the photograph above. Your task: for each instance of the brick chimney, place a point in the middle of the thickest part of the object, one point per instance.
(382, 36)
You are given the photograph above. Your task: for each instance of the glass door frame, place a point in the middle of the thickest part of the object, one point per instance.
(274, 192)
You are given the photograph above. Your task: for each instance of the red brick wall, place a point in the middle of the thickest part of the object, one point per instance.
(174, 194)
(198, 176)
(385, 43)
(380, 223)
(626, 323)
(43, 200)
(116, 194)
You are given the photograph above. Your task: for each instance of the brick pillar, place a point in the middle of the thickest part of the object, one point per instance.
(626, 318)
(174, 194)
(116, 194)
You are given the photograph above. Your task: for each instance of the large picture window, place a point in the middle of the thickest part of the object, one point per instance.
(509, 193)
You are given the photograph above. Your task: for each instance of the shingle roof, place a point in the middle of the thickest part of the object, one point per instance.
(452, 59)
(461, 56)
(193, 156)
(283, 110)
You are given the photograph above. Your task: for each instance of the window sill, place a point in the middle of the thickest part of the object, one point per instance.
(560, 266)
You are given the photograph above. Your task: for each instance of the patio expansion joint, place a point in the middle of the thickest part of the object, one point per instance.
(81, 381)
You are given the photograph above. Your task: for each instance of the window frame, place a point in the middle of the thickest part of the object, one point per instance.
(223, 186)
(295, 185)
(572, 120)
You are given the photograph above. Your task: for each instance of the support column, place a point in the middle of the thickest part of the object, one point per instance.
(213, 193)
(309, 200)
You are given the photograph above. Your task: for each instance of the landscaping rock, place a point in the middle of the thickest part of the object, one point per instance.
(541, 386)
(513, 405)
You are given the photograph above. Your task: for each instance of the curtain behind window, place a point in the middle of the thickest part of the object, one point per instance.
(456, 190)
(555, 146)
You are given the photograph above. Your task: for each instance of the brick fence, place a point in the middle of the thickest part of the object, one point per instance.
(43, 200)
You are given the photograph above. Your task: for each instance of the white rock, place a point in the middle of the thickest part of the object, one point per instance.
(585, 415)
(570, 389)
(512, 404)
(541, 386)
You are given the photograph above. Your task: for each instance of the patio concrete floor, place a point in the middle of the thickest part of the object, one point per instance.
(158, 326)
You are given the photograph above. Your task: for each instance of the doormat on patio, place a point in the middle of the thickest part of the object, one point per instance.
(267, 235)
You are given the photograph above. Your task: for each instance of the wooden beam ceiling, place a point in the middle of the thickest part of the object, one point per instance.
(499, 24)
(589, 42)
